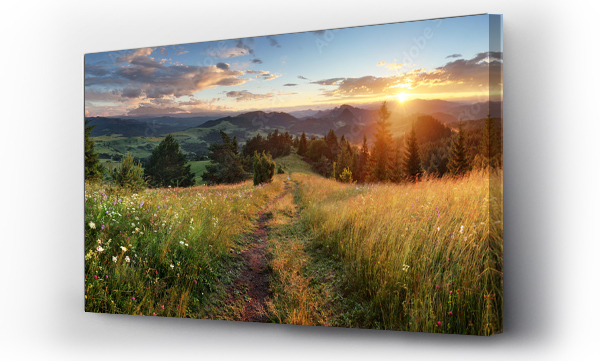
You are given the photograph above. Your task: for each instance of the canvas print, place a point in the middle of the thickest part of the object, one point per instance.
(346, 177)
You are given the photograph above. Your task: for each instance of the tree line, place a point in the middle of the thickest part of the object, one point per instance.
(429, 149)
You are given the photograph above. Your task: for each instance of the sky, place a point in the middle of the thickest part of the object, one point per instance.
(447, 59)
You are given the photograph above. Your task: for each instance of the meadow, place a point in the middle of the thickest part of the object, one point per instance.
(417, 257)
(162, 251)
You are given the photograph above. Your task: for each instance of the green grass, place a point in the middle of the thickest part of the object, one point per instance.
(165, 251)
(417, 257)
(198, 167)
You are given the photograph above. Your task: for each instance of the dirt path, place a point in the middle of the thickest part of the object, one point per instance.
(254, 278)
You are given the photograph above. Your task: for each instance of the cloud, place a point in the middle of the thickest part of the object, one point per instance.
(159, 81)
(163, 51)
(86, 113)
(182, 52)
(273, 41)
(96, 69)
(131, 92)
(454, 56)
(332, 81)
(147, 109)
(263, 74)
(303, 78)
(223, 66)
(142, 52)
(381, 63)
(270, 76)
(257, 61)
(227, 53)
(244, 95)
(243, 46)
(456, 76)
(394, 66)
(289, 84)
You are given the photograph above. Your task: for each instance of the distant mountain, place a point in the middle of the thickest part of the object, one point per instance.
(303, 113)
(195, 134)
(476, 111)
(142, 127)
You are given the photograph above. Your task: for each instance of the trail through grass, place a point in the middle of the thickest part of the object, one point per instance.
(303, 250)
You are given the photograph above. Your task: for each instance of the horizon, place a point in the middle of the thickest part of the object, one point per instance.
(443, 59)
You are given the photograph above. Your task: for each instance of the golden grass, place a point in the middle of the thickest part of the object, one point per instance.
(427, 256)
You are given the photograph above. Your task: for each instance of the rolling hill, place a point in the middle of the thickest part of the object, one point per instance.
(117, 136)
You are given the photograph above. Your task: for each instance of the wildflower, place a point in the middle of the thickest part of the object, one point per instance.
(103, 226)
(153, 314)
(181, 242)
(405, 267)
(95, 277)
(195, 282)
(163, 307)
(133, 298)
(187, 245)
(100, 249)
(450, 292)
(461, 229)
(141, 314)
(436, 287)
(127, 259)
(99, 241)
(92, 225)
(133, 224)
(450, 313)
(172, 266)
(439, 323)
(123, 249)
(106, 276)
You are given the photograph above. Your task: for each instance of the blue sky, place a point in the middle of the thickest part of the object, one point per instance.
(443, 59)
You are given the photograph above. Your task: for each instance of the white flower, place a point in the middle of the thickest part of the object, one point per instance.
(92, 225)
(123, 249)
(172, 266)
(114, 259)
(187, 245)
(405, 267)
(127, 259)
(461, 229)
(99, 241)
(181, 242)
(133, 224)
(100, 249)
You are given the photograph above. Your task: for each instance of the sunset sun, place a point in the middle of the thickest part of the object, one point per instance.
(401, 97)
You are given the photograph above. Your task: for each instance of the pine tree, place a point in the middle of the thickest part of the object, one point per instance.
(412, 159)
(226, 165)
(398, 166)
(302, 146)
(344, 158)
(331, 140)
(382, 150)
(490, 144)
(129, 174)
(264, 168)
(458, 164)
(167, 166)
(93, 169)
(363, 162)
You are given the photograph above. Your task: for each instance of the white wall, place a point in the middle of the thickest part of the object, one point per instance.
(551, 176)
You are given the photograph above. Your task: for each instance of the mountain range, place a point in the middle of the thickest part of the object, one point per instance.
(196, 133)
